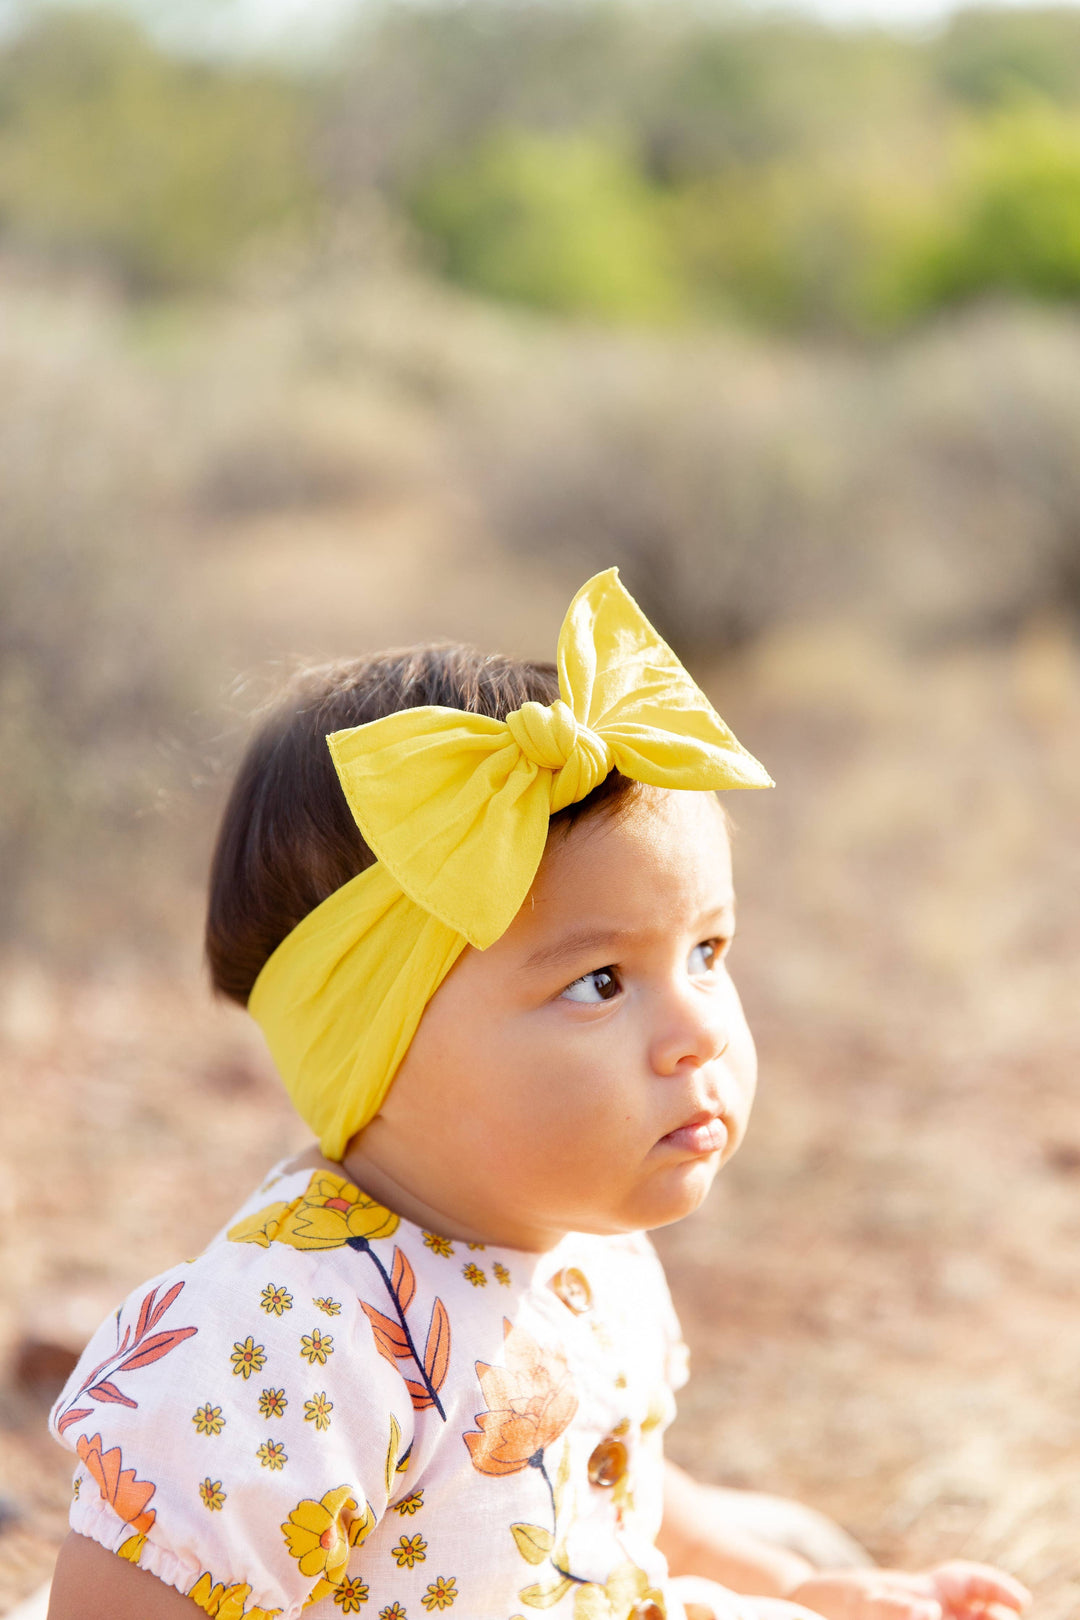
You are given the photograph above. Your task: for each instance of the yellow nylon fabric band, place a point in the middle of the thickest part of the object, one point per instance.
(455, 807)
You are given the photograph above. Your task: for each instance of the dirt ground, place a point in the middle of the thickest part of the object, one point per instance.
(880, 1295)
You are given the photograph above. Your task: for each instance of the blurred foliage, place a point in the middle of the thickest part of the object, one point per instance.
(639, 161)
(161, 170)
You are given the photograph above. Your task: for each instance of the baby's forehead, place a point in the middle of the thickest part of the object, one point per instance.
(660, 861)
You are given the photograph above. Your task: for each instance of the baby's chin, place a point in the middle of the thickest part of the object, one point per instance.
(673, 1193)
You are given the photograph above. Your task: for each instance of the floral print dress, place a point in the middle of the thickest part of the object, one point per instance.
(332, 1411)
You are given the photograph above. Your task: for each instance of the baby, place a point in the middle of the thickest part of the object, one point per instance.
(428, 1364)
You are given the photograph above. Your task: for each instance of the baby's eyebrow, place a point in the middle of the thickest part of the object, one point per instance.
(608, 941)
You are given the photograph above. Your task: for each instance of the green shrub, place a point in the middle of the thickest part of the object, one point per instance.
(565, 223)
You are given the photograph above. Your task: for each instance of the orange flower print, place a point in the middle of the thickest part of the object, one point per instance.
(410, 1504)
(272, 1454)
(316, 1346)
(410, 1550)
(212, 1494)
(475, 1275)
(208, 1419)
(272, 1403)
(501, 1274)
(350, 1594)
(440, 1594)
(318, 1411)
(118, 1486)
(438, 1245)
(393, 1611)
(530, 1403)
(330, 1306)
(275, 1300)
(247, 1358)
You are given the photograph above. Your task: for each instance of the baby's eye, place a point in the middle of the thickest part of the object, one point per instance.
(706, 956)
(601, 984)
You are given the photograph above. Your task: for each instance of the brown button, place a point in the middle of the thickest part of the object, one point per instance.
(646, 1611)
(607, 1465)
(572, 1287)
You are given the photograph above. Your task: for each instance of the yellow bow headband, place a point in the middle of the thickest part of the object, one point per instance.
(455, 807)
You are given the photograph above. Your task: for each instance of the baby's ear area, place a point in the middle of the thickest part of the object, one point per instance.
(91, 1583)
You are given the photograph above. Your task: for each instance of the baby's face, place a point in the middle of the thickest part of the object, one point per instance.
(593, 1069)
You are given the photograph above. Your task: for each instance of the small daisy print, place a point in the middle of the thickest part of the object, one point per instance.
(208, 1419)
(275, 1300)
(329, 1306)
(318, 1411)
(440, 1594)
(438, 1245)
(272, 1454)
(474, 1275)
(248, 1357)
(316, 1346)
(410, 1550)
(272, 1403)
(212, 1494)
(350, 1593)
(410, 1504)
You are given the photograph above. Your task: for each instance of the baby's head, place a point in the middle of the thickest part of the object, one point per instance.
(590, 1068)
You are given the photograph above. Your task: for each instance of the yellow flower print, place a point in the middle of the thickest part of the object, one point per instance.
(272, 1403)
(226, 1602)
(410, 1550)
(477, 1245)
(330, 1306)
(260, 1228)
(212, 1494)
(275, 1300)
(501, 1274)
(208, 1419)
(393, 1611)
(76, 1483)
(438, 1245)
(626, 1586)
(410, 1504)
(350, 1594)
(475, 1275)
(248, 1357)
(318, 1411)
(132, 1548)
(316, 1346)
(272, 1454)
(331, 1212)
(319, 1534)
(440, 1594)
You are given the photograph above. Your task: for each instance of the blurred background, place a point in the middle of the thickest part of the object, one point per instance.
(330, 327)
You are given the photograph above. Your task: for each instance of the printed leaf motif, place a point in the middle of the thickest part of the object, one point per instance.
(155, 1348)
(533, 1541)
(421, 1398)
(73, 1417)
(437, 1350)
(391, 1452)
(545, 1597)
(403, 1279)
(389, 1335)
(129, 1355)
(106, 1391)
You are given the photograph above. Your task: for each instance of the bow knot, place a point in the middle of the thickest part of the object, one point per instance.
(551, 736)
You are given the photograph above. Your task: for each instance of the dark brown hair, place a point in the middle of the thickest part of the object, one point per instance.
(287, 838)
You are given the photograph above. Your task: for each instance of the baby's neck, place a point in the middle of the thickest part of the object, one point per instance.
(379, 1183)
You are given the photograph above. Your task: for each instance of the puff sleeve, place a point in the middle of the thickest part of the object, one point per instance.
(238, 1432)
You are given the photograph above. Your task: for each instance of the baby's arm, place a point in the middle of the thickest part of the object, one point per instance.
(91, 1583)
(698, 1538)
